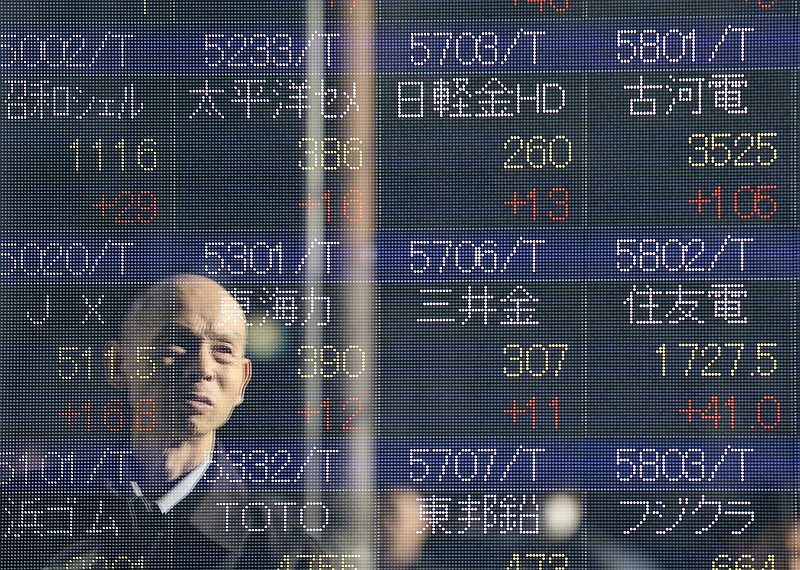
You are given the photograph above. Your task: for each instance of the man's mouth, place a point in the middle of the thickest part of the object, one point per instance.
(199, 402)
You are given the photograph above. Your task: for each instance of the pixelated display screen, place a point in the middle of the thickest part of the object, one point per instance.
(384, 284)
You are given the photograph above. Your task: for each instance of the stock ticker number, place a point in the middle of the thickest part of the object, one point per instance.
(674, 465)
(747, 202)
(537, 152)
(557, 204)
(331, 362)
(77, 363)
(767, 412)
(536, 360)
(330, 415)
(735, 359)
(555, 5)
(532, 561)
(651, 46)
(530, 410)
(330, 153)
(745, 561)
(124, 206)
(765, 5)
(128, 207)
(98, 157)
(115, 415)
(346, 206)
(349, 4)
(486, 48)
(722, 149)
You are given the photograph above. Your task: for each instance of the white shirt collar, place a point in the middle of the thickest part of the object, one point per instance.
(179, 492)
(183, 488)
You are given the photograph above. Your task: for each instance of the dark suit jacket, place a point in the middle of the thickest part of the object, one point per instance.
(193, 535)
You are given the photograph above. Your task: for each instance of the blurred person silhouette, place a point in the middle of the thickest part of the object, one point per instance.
(792, 539)
(192, 334)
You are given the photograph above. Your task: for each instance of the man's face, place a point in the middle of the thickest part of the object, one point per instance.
(188, 360)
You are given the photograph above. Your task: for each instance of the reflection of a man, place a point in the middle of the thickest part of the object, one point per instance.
(182, 354)
(193, 335)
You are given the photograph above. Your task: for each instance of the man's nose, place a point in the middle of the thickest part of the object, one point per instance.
(201, 364)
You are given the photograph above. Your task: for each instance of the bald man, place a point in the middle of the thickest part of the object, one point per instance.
(196, 334)
(182, 351)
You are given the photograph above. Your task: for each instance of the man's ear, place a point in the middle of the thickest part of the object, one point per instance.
(113, 365)
(247, 369)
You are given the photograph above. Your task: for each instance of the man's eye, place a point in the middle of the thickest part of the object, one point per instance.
(223, 348)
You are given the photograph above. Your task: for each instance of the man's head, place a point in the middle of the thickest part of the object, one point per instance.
(182, 351)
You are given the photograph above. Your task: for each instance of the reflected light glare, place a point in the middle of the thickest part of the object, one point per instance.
(562, 516)
(266, 338)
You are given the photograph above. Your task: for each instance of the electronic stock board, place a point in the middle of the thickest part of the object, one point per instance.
(520, 276)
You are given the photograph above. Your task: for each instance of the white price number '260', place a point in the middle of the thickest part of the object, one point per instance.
(537, 152)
